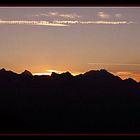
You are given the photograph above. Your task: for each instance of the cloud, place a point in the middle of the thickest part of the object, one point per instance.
(48, 72)
(127, 74)
(42, 73)
(66, 21)
(56, 71)
(103, 15)
(107, 22)
(62, 22)
(106, 15)
(124, 73)
(115, 64)
(118, 15)
(93, 22)
(121, 74)
(56, 14)
(41, 23)
(52, 14)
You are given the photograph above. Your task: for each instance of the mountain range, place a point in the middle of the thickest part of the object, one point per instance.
(94, 102)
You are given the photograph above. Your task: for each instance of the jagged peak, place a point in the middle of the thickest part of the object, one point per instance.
(97, 71)
(90, 72)
(54, 74)
(26, 72)
(130, 80)
(103, 70)
(7, 72)
(3, 69)
(102, 73)
(66, 74)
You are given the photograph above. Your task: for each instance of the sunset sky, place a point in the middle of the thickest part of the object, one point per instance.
(74, 39)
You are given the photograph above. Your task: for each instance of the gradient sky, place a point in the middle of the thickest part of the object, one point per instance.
(76, 39)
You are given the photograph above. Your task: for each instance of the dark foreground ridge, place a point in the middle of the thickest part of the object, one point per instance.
(93, 102)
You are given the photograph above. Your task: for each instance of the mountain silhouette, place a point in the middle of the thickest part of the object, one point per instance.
(26, 72)
(94, 102)
(101, 75)
(2, 70)
(66, 75)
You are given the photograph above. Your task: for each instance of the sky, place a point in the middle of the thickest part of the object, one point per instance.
(74, 39)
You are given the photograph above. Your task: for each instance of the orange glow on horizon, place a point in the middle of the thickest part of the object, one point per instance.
(49, 72)
(125, 75)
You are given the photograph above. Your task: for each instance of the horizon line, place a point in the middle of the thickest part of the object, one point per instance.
(49, 74)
